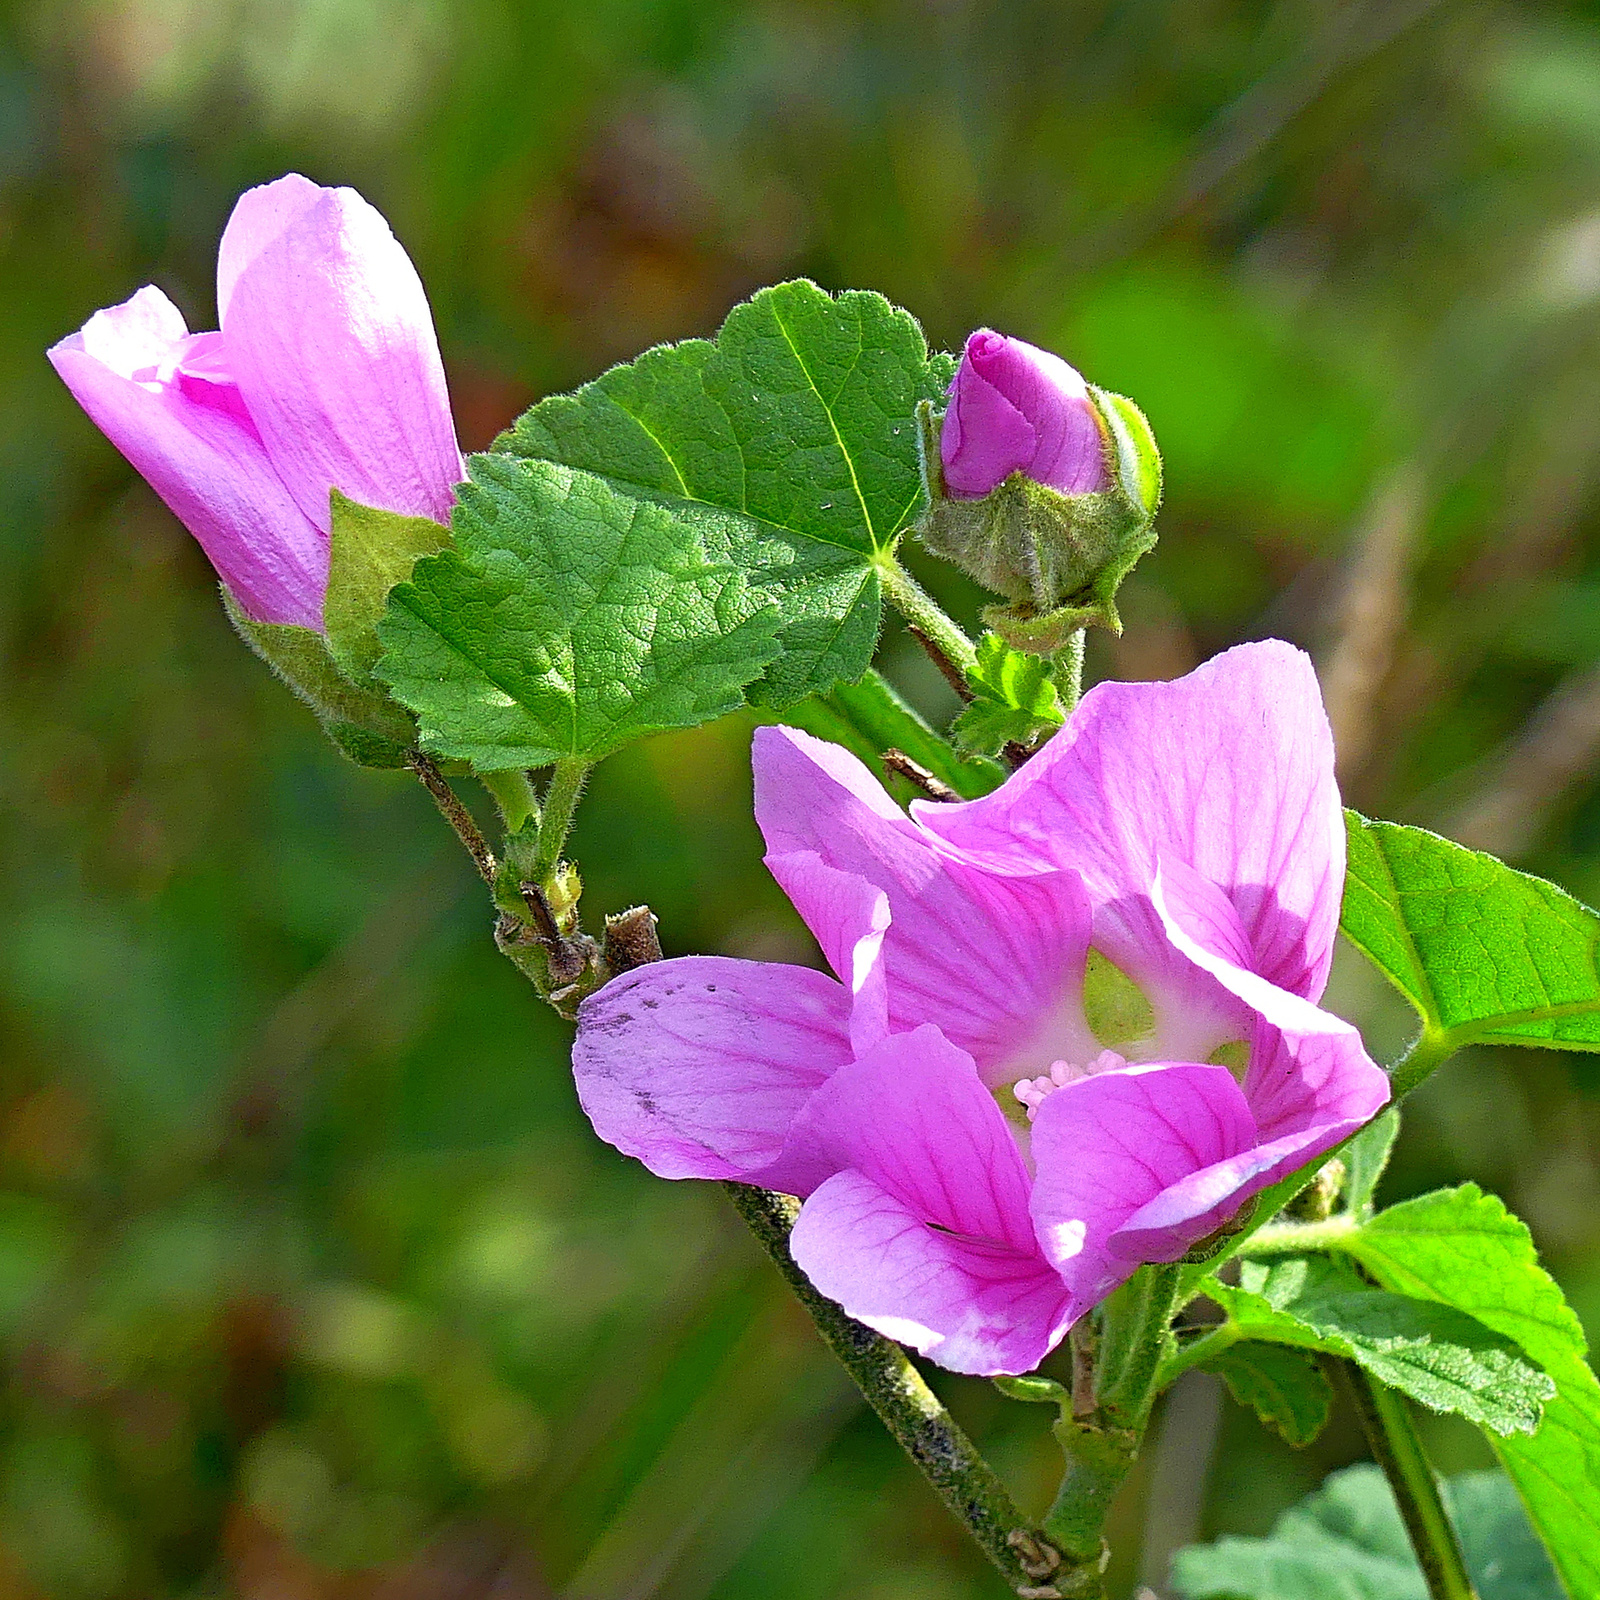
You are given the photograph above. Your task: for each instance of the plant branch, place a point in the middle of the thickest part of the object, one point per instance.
(1430, 1049)
(560, 802)
(1068, 671)
(928, 622)
(1398, 1450)
(963, 1480)
(453, 812)
(514, 794)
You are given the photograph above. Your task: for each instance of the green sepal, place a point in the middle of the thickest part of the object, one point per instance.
(369, 552)
(367, 728)
(1014, 699)
(1037, 1390)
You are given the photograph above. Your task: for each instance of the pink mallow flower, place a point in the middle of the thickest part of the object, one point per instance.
(325, 374)
(1017, 408)
(1073, 1026)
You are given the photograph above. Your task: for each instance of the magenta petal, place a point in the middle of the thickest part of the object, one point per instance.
(259, 216)
(1131, 1150)
(199, 455)
(993, 959)
(1229, 771)
(331, 340)
(926, 1235)
(699, 1066)
(984, 438)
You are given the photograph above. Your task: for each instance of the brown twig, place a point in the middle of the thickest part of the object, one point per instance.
(935, 788)
(948, 670)
(453, 812)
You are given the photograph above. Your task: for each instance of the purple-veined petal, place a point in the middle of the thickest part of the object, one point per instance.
(190, 440)
(925, 1233)
(1135, 1149)
(1228, 770)
(330, 338)
(698, 1066)
(993, 958)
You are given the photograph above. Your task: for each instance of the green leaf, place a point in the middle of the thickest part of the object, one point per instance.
(1435, 1353)
(788, 443)
(366, 726)
(1365, 1158)
(1463, 1248)
(568, 621)
(1286, 1390)
(1014, 698)
(1485, 954)
(369, 552)
(1347, 1542)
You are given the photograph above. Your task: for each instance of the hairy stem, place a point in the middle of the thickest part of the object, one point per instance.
(453, 812)
(963, 1480)
(1068, 672)
(919, 608)
(560, 802)
(1430, 1049)
(1397, 1449)
(513, 793)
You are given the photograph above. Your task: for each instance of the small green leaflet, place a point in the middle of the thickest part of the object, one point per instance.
(1463, 1248)
(1364, 1159)
(1284, 1388)
(1486, 954)
(1347, 1542)
(788, 444)
(567, 621)
(1014, 698)
(369, 552)
(1438, 1355)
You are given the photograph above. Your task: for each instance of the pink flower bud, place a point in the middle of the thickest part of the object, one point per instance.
(325, 374)
(1016, 408)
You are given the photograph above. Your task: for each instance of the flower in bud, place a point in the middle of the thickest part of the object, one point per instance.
(1016, 408)
(325, 374)
(1040, 486)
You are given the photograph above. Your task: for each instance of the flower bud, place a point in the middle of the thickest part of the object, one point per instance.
(1040, 486)
(325, 375)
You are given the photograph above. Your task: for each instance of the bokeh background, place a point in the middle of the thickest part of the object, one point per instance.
(313, 1282)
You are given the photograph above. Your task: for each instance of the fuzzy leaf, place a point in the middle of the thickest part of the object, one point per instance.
(369, 552)
(1486, 954)
(1438, 1355)
(1463, 1248)
(788, 443)
(1014, 698)
(1286, 1390)
(1365, 1158)
(1347, 1542)
(568, 621)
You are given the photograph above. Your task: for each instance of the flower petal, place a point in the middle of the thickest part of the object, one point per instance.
(926, 1234)
(1132, 1149)
(993, 958)
(1228, 770)
(259, 216)
(331, 341)
(698, 1066)
(200, 455)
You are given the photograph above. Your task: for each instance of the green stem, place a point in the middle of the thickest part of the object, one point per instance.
(1398, 1450)
(560, 802)
(963, 1480)
(1068, 671)
(1297, 1238)
(513, 793)
(1430, 1049)
(919, 608)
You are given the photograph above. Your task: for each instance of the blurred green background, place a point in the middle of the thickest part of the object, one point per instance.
(313, 1281)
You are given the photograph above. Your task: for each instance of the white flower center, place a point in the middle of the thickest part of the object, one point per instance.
(1033, 1092)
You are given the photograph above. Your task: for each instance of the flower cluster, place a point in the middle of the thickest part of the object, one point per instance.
(325, 374)
(1072, 1026)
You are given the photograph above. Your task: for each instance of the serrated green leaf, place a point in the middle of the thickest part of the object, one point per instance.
(1286, 1390)
(1486, 954)
(1365, 1158)
(1347, 1542)
(1435, 1353)
(369, 552)
(1014, 698)
(788, 443)
(568, 620)
(1463, 1248)
(871, 716)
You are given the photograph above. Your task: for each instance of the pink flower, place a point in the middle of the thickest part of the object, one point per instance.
(1014, 1092)
(326, 374)
(1016, 408)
